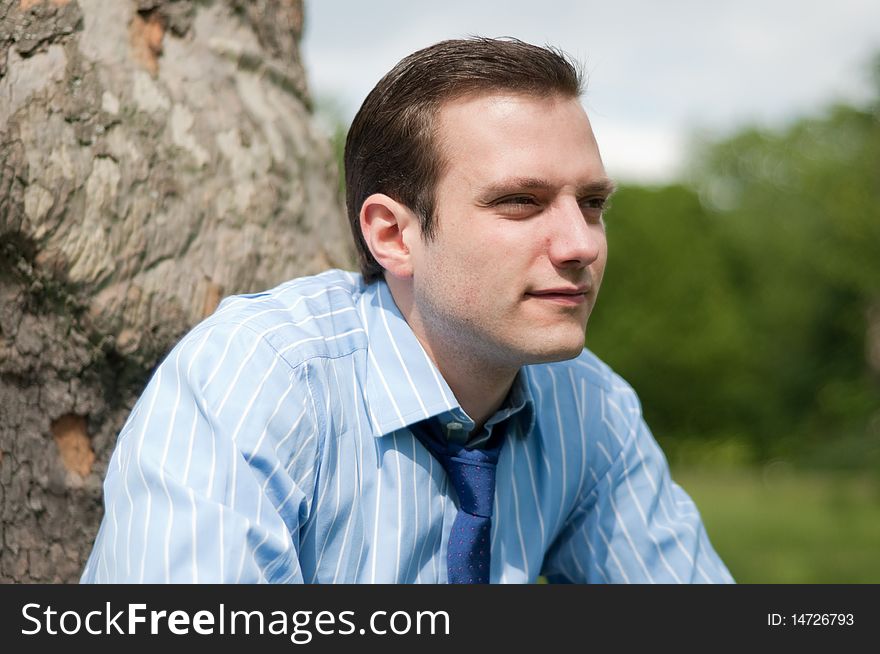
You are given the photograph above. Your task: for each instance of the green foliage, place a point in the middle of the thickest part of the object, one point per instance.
(668, 317)
(738, 305)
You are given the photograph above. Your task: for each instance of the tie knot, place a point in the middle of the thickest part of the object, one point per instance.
(472, 472)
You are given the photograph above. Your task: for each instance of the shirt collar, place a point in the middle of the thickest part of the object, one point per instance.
(403, 386)
(518, 406)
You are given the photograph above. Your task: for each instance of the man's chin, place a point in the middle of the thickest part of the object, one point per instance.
(552, 353)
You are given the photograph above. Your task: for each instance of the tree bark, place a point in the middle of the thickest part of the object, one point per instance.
(155, 155)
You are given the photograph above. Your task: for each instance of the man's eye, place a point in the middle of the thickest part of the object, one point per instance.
(516, 205)
(595, 203)
(517, 199)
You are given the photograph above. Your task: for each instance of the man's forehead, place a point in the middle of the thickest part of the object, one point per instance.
(504, 134)
(510, 116)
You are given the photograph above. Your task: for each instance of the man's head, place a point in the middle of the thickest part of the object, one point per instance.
(392, 145)
(480, 201)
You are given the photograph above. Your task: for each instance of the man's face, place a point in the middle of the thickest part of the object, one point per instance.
(513, 271)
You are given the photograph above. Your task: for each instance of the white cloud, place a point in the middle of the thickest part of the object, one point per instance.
(637, 153)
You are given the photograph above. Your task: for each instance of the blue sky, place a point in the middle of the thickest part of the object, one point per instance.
(659, 72)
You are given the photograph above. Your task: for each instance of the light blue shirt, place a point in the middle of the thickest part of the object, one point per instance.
(273, 444)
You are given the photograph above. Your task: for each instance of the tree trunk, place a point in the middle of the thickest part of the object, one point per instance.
(155, 155)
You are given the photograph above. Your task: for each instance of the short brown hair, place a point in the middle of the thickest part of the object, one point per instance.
(391, 147)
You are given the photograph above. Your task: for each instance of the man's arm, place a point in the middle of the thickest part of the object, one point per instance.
(213, 471)
(635, 525)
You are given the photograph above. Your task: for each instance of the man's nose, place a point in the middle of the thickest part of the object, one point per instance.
(575, 241)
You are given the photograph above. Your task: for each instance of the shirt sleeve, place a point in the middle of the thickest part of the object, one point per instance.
(635, 525)
(213, 472)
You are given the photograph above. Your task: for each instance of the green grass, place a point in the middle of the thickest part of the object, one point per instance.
(777, 525)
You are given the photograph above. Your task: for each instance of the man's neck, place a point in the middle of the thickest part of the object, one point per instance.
(480, 391)
(478, 386)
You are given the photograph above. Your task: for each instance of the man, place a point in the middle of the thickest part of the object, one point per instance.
(435, 418)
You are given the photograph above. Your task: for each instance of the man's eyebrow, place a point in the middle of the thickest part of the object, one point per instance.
(599, 186)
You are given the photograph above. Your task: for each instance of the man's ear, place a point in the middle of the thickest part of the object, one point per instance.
(388, 226)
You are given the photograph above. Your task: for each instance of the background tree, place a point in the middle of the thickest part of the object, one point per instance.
(155, 155)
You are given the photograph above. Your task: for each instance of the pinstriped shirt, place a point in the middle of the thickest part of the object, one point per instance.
(274, 444)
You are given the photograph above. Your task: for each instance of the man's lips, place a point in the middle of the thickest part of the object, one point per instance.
(563, 294)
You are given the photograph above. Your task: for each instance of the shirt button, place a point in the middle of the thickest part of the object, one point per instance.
(454, 426)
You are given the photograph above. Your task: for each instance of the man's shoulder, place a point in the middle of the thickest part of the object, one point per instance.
(584, 403)
(303, 317)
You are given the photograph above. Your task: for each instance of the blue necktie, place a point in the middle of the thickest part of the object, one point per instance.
(472, 473)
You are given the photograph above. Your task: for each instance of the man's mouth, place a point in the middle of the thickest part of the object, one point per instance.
(572, 296)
